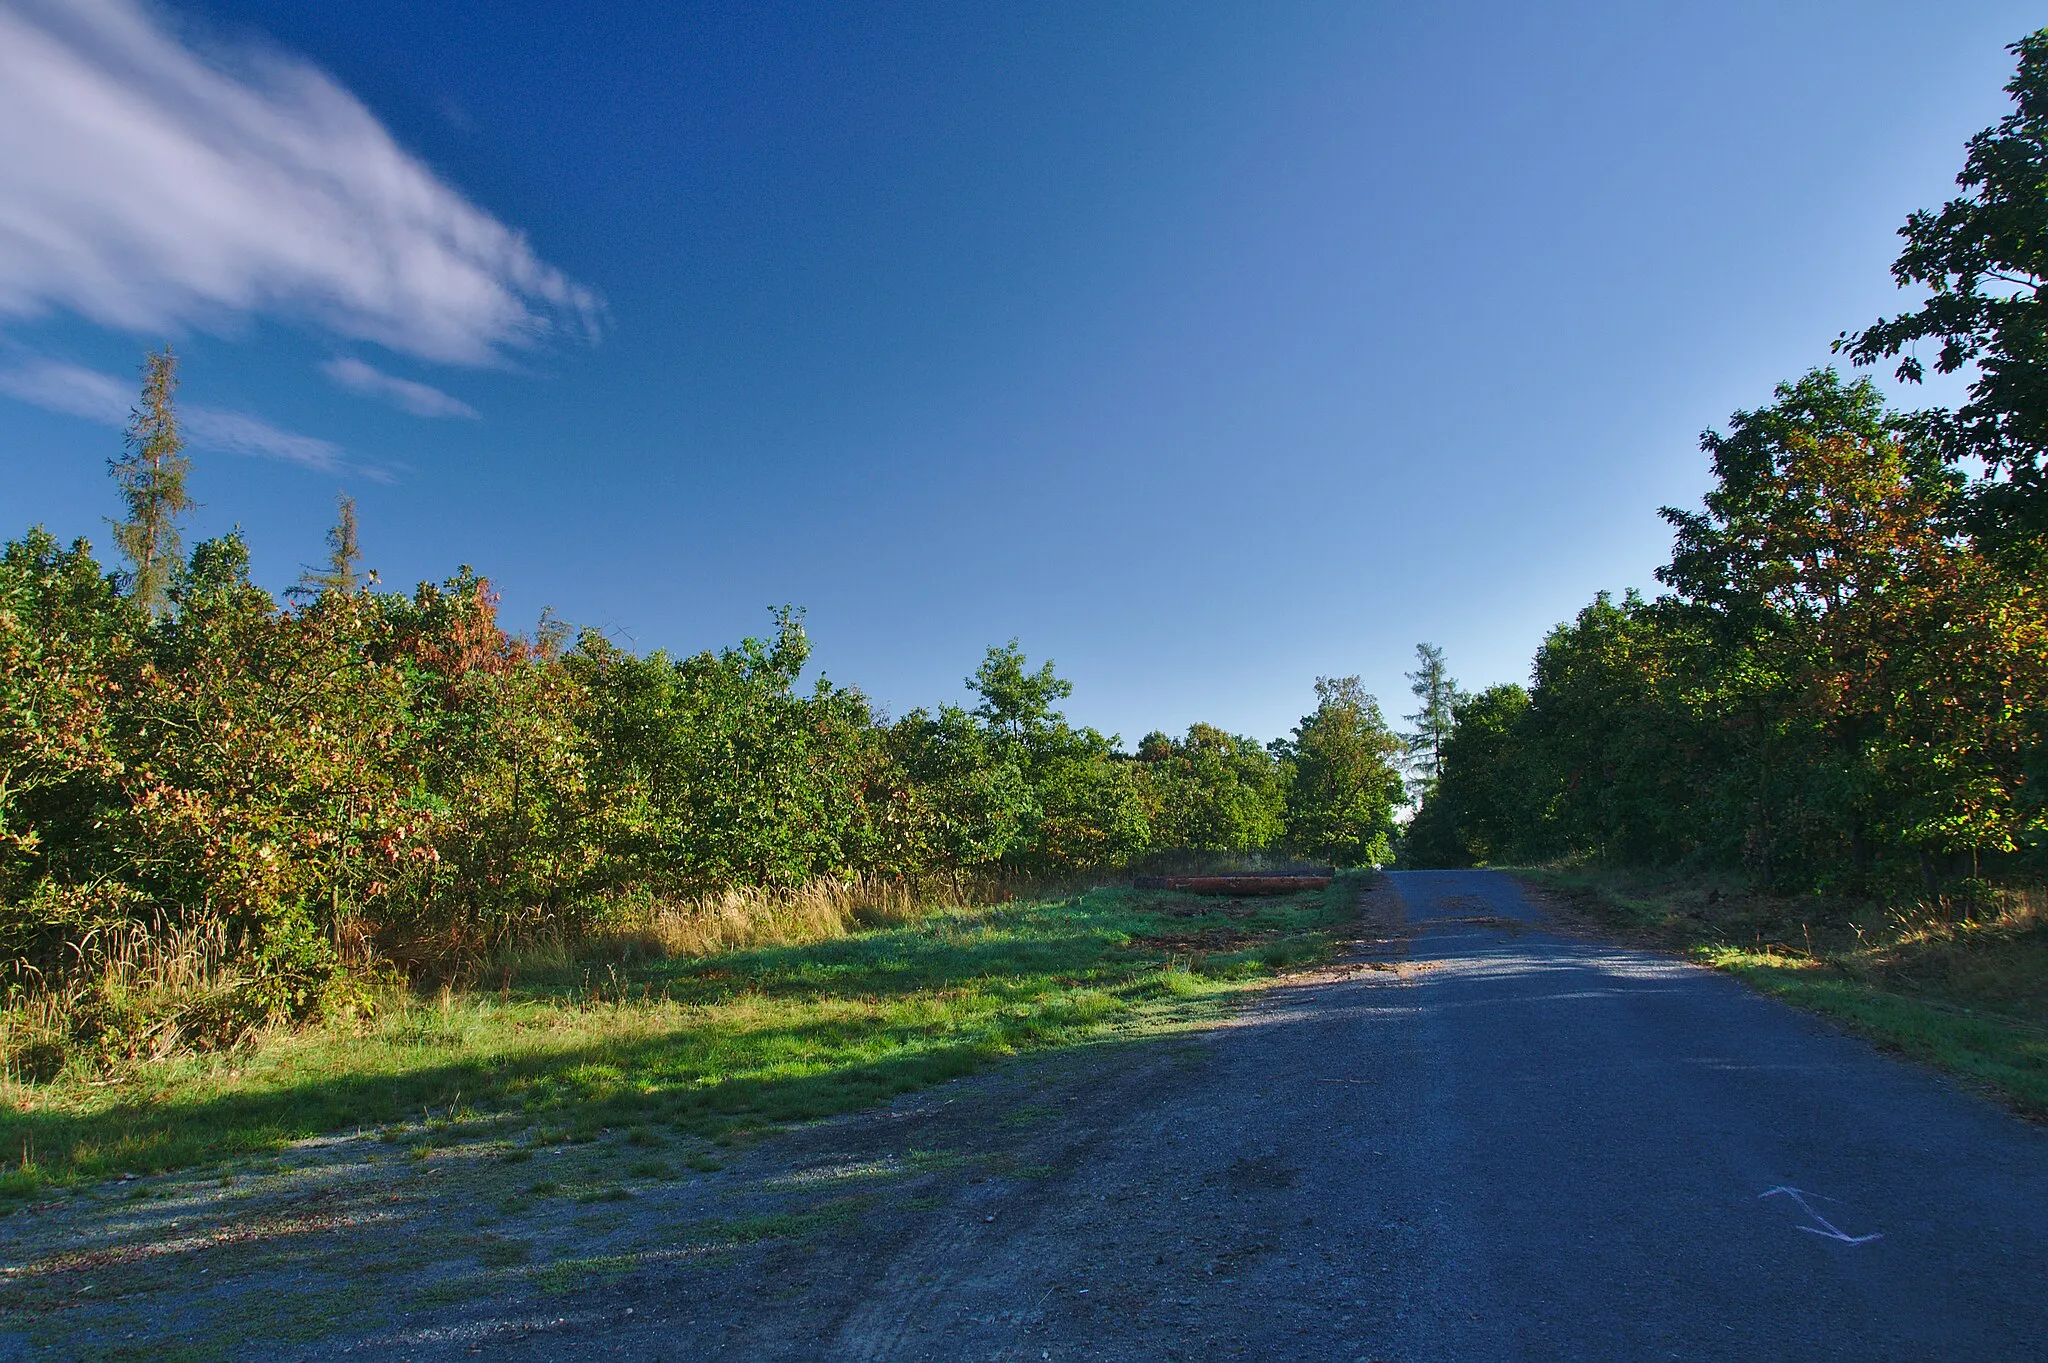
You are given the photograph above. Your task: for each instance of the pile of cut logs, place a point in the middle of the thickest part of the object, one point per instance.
(1245, 882)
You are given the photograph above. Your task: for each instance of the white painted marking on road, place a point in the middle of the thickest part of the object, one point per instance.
(1827, 1228)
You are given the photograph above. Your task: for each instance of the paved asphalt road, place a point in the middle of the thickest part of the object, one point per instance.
(1515, 1146)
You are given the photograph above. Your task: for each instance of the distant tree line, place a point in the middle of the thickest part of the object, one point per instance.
(1846, 684)
(358, 777)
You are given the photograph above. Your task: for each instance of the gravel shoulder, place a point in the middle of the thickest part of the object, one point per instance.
(1471, 1138)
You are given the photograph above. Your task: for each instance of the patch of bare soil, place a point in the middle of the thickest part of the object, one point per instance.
(1207, 908)
(1206, 939)
(1213, 937)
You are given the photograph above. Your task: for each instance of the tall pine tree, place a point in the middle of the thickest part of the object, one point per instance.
(341, 572)
(151, 475)
(1432, 684)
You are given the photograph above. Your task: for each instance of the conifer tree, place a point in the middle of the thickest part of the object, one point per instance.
(344, 553)
(1432, 684)
(151, 476)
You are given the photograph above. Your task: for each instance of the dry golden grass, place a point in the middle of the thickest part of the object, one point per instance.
(731, 920)
(643, 928)
(139, 994)
(1993, 954)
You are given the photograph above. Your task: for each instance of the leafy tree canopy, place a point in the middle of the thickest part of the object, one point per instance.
(1982, 259)
(1014, 699)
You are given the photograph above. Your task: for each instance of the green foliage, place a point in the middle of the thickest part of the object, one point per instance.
(1213, 791)
(237, 810)
(342, 571)
(958, 801)
(1085, 809)
(1090, 810)
(1016, 701)
(218, 810)
(151, 477)
(713, 770)
(1346, 778)
(1982, 259)
(1607, 733)
(1841, 687)
(1477, 811)
(64, 631)
(1848, 686)
(1431, 683)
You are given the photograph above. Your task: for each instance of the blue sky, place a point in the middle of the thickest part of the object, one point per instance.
(1204, 348)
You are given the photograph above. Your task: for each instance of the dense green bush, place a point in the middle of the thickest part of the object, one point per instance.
(1214, 792)
(357, 779)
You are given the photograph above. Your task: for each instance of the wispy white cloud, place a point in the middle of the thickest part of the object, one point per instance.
(69, 388)
(418, 398)
(78, 391)
(240, 433)
(148, 183)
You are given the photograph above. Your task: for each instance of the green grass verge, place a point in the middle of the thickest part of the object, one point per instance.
(712, 1046)
(1961, 987)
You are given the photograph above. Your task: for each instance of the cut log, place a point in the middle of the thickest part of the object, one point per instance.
(1245, 884)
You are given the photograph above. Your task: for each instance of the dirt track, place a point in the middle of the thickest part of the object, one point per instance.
(1472, 1140)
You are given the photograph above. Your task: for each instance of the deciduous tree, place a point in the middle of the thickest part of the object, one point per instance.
(1982, 258)
(1346, 777)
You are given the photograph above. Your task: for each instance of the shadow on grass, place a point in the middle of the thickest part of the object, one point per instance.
(605, 1084)
(748, 1039)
